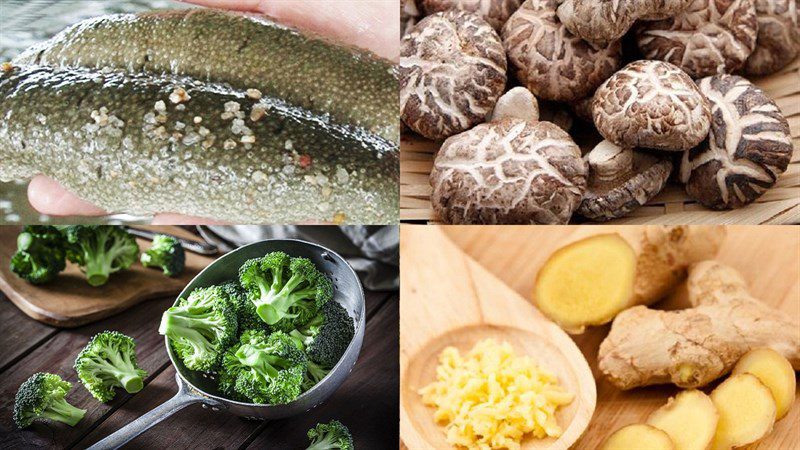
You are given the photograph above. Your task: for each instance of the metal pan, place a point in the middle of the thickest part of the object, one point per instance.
(197, 387)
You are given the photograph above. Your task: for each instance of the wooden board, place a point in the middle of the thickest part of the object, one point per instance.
(767, 257)
(779, 205)
(449, 300)
(69, 301)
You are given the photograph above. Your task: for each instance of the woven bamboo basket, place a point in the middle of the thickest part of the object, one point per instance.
(779, 205)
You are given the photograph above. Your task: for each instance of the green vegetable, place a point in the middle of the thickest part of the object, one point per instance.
(326, 337)
(100, 250)
(41, 254)
(109, 360)
(42, 397)
(245, 309)
(264, 368)
(165, 253)
(287, 292)
(200, 327)
(330, 436)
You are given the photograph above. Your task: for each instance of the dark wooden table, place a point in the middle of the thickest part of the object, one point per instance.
(367, 402)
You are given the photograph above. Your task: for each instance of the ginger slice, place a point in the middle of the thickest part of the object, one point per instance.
(639, 436)
(690, 419)
(775, 371)
(746, 411)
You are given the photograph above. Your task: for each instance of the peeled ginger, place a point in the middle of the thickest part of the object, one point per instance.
(638, 436)
(775, 371)
(690, 419)
(746, 411)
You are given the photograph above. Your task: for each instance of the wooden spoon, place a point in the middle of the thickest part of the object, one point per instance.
(447, 299)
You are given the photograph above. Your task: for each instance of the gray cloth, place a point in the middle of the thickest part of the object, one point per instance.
(373, 251)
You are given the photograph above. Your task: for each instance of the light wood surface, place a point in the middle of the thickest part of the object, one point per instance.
(69, 301)
(767, 257)
(449, 300)
(779, 205)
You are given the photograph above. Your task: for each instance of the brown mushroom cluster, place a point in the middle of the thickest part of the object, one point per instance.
(503, 81)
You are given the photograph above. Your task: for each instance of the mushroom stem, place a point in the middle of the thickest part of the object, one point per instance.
(609, 162)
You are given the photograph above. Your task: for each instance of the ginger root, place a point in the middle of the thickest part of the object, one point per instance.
(604, 270)
(746, 411)
(638, 436)
(775, 371)
(695, 346)
(690, 419)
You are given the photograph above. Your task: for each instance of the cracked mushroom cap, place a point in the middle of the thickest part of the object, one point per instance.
(709, 37)
(495, 12)
(553, 63)
(452, 71)
(603, 22)
(508, 172)
(621, 180)
(749, 145)
(778, 41)
(409, 13)
(651, 104)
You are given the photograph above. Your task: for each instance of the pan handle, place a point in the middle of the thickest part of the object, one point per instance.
(182, 399)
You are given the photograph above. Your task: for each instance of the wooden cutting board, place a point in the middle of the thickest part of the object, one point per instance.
(69, 301)
(449, 300)
(767, 256)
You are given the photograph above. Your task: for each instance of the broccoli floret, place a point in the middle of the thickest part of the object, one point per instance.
(264, 368)
(165, 253)
(100, 250)
(200, 327)
(42, 397)
(330, 436)
(41, 254)
(109, 360)
(287, 292)
(245, 309)
(326, 337)
(314, 374)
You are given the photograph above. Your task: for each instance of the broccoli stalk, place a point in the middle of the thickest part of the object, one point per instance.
(100, 250)
(109, 360)
(201, 327)
(42, 396)
(167, 254)
(264, 369)
(330, 436)
(41, 254)
(286, 291)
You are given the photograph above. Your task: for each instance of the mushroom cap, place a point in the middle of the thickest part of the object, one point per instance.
(709, 37)
(452, 71)
(553, 63)
(651, 104)
(749, 145)
(508, 172)
(409, 13)
(603, 22)
(778, 41)
(621, 180)
(495, 12)
(516, 103)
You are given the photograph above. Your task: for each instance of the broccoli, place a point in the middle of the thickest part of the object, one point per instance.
(330, 436)
(200, 327)
(165, 253)
(245, 309)
(314, 374)
(287, 292)
(264, 368)
(326, 337)
(109, 360)
(41, 254)
(100, 250)
(42, 397)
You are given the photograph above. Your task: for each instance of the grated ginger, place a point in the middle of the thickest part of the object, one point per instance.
(491, 398)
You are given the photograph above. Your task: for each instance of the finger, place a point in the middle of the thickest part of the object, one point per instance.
(48, 197)
(373, 25)
(180, 219)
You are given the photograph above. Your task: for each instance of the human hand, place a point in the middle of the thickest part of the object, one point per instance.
(370, 24)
